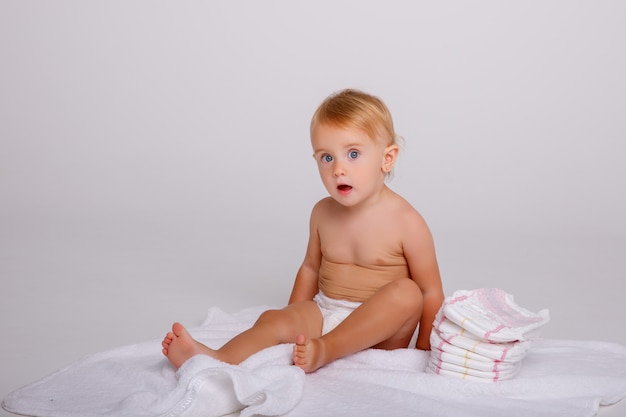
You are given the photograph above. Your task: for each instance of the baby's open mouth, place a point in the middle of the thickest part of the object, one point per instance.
(344, 187)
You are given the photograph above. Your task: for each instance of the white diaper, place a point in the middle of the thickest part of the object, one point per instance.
(333, 311)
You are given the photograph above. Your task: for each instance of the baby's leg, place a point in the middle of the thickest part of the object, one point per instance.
(387, 320)
(272, 328)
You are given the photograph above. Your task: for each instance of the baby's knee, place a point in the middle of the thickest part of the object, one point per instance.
(407, 295)
(279, 320)
(269, 316)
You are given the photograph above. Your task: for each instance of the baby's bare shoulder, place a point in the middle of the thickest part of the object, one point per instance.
(407, 217)
(324, 207)
(403, 208)
(321, 211)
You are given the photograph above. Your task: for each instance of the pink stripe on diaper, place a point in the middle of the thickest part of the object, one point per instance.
(495, 300)
(440, 360)
(457, 299)
(496, 330)
(437, 324)
(496, 371)
(504, 353)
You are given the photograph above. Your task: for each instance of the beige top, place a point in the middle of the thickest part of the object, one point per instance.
(354, 282)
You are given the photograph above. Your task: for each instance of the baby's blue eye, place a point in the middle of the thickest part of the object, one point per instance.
(327, 158)
(353, 154)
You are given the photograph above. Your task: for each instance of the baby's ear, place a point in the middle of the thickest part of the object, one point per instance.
(389, 157)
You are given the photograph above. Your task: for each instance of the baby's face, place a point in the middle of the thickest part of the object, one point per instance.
(351, 164)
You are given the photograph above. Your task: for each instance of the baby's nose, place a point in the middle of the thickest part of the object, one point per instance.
(339, 170)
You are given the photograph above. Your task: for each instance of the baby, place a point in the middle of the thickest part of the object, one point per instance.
(370, 273)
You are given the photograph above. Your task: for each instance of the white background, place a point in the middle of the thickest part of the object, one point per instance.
(155, 159)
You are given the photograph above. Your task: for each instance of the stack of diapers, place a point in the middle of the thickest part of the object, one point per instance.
(482, 335)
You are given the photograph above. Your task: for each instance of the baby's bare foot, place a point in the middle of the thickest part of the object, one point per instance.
(309, 355)
(178, 346)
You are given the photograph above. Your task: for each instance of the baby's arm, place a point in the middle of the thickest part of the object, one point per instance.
(432, 303)
(419, 250)
(305, 285)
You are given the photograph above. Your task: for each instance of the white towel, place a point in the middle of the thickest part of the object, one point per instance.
(137, 381)
(265, 384)
(557, 377)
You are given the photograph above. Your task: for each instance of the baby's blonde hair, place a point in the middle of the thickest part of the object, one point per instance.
(355, 109)
(358, 110)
